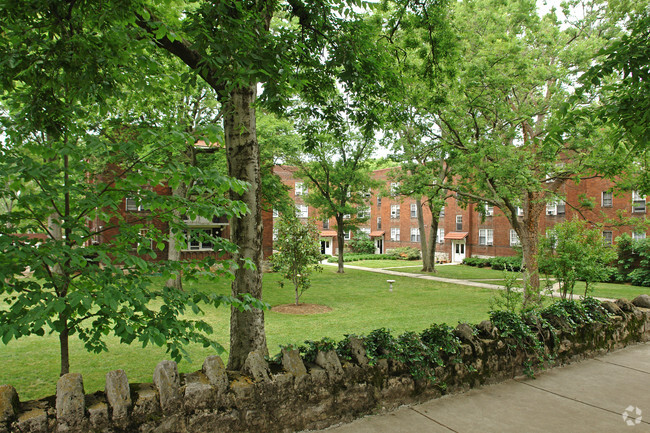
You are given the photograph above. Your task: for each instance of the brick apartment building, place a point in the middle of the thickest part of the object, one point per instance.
(463, 232)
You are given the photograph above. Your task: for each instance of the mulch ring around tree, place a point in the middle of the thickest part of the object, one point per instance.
(301, 309)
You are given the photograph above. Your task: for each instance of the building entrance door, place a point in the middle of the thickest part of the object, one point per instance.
(458, 251)
(379, 246)
(326, 247)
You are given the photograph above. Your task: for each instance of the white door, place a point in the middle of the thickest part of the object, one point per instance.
(326, 247)
(379, 246)
(458, 251)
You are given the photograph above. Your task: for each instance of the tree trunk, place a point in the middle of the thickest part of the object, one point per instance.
(63, 344)
(340, 239)
(246, 327)
(173, 252)
(529, 238)
(424, 250)
(433, 240)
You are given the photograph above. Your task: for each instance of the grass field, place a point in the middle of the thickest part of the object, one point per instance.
(360, 302)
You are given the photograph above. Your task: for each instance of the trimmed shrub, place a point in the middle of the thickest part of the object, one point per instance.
(506, 263)
(405, 253)
(477, 262)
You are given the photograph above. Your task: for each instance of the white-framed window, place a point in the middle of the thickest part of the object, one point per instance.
(608, 237)
(196, 238)
(441, 236)
(276, 213)
(394, 211)
(489, 209)
(367, 193)
(326, 224)
(378, 223)
(378, 201)
(485, 236)
(459, 223)
(394, 233)
(364, 213)
(637, 236)
(555, 208)
(514, 238)
(394, 187)
(414, 210)
(442, 212)
(302, 211)
(365, 230)
(520, 211)
(638, 202)
(346, 216)
(300, 188)
(415, 235)
(347, 235)
(607, 199)
(275, 233)
(133, 204)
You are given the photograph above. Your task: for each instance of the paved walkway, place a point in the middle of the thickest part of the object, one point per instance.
(606, 394)
(555, 292)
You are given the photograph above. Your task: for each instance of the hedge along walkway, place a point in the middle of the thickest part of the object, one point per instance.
(555, 289)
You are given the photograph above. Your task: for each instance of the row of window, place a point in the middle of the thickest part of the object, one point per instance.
(415, 235)
(197, 239)
(486, 237)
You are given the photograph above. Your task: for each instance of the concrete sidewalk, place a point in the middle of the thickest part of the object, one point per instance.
(555, 292)
(606, 394)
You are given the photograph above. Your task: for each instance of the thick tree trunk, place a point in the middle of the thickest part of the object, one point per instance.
(424, 250)
(340, 240)
(529, 238)
(246, 327)
(173, 252)
(433, 239)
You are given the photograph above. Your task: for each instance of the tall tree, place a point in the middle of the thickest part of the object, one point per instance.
(338, 176)
(230, 45)
(58, 76)
(621, 81)
(424, 175)
(515, 73)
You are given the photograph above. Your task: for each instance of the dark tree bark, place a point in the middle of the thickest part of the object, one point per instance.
(340, 239)
(246, 327)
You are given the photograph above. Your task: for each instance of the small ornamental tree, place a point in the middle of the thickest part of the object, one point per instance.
(298, 252)
(573, 252)
(362, 244)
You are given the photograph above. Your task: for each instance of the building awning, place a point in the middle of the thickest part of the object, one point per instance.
(328, 233)
(456, 235)
(377, 233)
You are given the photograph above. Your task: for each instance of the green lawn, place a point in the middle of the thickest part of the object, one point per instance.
(388, 264)
(460, 272)
(612, 290)
(360, 301)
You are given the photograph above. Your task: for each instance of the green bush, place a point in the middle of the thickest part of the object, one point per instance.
(405, 253)
(512, 263)
(361, 244)
(633, 260)
(477, 262)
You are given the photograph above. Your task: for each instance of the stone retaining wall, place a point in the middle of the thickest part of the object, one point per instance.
(295, 396)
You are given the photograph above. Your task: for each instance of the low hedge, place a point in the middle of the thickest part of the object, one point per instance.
(498, 263)
(358, 257)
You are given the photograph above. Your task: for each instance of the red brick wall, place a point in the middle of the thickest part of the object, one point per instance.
(471, 219)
